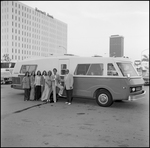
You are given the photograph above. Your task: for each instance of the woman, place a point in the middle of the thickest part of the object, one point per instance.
(32, 80)
(38, 85)
(56, 80)
(44, 74)
(26, 86)
(48, 88)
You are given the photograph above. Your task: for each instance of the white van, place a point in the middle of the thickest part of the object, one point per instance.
(100, 78)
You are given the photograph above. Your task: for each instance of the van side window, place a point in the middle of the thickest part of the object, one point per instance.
(96, 69)
(63, 69)
(82, 69)
(111, 71)
(28, 68)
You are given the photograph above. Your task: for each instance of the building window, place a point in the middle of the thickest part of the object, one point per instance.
(12, 43)
(15, 50)
(12, 9)
(19, 5)
(12, 3)
(16, 4)
(16, 11)
(12, 17)
(12, 30)
(12, 50)
(16, 18)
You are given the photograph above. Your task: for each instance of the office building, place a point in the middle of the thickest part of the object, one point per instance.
(116, 46)
(27, 32)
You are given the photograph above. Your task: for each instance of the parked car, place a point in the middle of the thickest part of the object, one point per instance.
(6, 76)
(146, 79)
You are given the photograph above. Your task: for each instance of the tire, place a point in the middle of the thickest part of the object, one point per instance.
(104, 98)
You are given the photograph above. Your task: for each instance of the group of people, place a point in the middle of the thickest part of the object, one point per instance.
(40, 86)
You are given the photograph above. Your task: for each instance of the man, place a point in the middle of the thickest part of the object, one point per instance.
(68, 84)
(56, 83)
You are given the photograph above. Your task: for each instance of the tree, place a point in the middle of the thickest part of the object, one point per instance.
(6, 58)
(145, 58)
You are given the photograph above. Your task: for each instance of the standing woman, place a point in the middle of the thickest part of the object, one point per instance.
(32, 80)
(38, 85)
(44, 74)
(26, 86)
(56, 80)
(47, 88)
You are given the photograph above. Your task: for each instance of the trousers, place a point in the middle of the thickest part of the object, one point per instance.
(26, 94)
(69, 95)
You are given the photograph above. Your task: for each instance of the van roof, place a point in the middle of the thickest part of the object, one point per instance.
(78, 57)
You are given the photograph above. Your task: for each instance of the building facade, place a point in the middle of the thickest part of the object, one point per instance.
(27, 32)
(116, 46)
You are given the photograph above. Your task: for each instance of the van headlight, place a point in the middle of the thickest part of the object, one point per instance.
(132, 89)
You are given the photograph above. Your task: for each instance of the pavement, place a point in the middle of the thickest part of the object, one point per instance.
(81, 124)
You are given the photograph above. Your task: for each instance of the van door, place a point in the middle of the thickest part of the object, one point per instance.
(63, 65)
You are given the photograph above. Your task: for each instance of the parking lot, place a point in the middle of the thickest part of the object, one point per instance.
(84, 123)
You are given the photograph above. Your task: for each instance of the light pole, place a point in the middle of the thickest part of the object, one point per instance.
(64, 48)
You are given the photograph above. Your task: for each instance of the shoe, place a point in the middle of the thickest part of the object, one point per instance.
(66, 102)
(59, 94)
(69, 103)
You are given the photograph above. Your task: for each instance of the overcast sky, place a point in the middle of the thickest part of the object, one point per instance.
(91, 23)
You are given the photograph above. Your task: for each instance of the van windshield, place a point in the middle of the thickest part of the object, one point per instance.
(127, 68)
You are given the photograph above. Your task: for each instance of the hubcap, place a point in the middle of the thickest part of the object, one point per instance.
(103, 98)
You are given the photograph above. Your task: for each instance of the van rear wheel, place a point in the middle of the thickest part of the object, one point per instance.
(104, 98)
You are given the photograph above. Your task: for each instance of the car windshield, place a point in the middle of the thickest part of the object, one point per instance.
(127, 68)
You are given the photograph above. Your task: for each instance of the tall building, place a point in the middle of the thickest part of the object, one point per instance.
(27, 32)
(116, 46)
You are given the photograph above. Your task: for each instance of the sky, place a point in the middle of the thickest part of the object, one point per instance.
(91, 23)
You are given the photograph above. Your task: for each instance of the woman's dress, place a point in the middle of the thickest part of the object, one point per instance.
(47, 89)
(32, 92)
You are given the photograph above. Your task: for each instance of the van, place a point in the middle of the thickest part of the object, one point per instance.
(104, 79)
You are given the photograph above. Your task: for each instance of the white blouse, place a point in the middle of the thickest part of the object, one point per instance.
(37, 80)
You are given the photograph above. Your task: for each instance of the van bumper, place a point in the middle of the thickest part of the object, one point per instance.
(16, 86)
(137, 97)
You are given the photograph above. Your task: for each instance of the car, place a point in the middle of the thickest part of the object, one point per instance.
(6, 76)
(146, 79)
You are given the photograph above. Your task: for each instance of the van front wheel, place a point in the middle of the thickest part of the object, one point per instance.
(104, 98)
